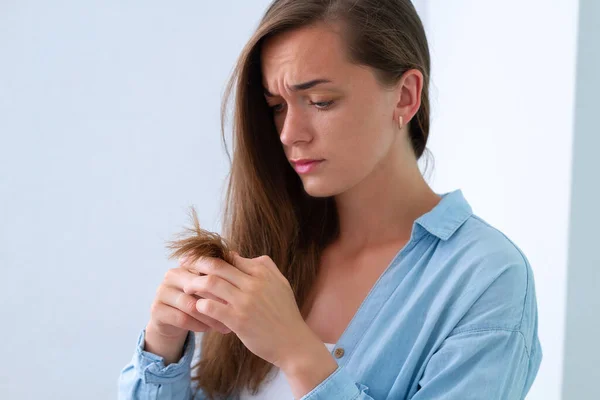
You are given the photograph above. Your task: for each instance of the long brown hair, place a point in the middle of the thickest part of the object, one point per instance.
(267, 211)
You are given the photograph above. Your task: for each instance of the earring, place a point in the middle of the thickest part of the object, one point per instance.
(400, 122)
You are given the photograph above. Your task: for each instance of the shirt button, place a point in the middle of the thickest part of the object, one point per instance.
(339, 352)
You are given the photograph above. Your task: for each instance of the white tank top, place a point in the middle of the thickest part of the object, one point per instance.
(275, 386)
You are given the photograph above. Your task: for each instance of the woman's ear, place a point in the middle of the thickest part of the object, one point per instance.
(409, 95)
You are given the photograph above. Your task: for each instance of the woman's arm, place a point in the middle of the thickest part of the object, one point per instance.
(339, 386)
(147, 377)
(481, 364)
(493, 353)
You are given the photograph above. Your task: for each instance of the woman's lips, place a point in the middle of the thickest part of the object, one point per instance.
(306, 167)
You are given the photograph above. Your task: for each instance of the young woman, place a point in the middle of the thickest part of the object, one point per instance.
(353, 278)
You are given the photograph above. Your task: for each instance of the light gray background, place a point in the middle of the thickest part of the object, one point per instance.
(109, 124)
(109, 130)
(581, 367)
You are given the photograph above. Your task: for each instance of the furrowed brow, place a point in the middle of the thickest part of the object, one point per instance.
(301, 86)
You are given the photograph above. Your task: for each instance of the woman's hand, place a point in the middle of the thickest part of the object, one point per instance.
(261, 308)
(173, 311)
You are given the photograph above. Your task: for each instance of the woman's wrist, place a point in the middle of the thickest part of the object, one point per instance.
(307, 368)
(169, 348)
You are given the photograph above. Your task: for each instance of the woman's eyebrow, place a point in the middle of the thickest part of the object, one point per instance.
(301, 86)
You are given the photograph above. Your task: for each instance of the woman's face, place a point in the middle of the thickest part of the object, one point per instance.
(349, 122)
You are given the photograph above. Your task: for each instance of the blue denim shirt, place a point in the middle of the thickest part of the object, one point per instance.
(453, 316)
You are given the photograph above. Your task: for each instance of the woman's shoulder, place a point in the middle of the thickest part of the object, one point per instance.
(466, 241)
(484, 249)
(491, 277)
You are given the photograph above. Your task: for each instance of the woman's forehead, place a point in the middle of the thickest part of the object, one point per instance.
(303, 50)
(303, 55)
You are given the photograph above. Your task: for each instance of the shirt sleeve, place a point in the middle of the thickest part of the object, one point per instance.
(489, 364)
(147, 377)
(494, 352)
(479, 364)
(338, 386)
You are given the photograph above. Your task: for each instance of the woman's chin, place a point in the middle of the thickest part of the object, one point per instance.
(316, 187)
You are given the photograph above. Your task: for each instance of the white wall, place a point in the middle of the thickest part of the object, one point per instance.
(503, 93)
(109, 129)
(581, 372)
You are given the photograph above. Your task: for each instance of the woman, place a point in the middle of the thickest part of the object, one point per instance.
(358, 281)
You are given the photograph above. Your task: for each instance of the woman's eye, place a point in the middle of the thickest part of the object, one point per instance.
(322, 105)
(277, 107)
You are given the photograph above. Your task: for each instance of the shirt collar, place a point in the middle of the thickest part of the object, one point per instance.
(447, 216)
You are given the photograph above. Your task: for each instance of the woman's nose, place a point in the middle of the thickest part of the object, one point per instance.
(294, 128)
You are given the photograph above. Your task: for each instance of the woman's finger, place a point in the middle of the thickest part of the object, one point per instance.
(178, 278)
(186, 303)
(218, 267)
(247, 265)
(208, 286)
(172, 316)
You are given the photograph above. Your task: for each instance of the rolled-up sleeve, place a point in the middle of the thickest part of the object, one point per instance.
(339, 386)
(480, 364)
(147, 377)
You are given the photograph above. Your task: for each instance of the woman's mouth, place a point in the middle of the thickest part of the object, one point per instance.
(304, 167)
